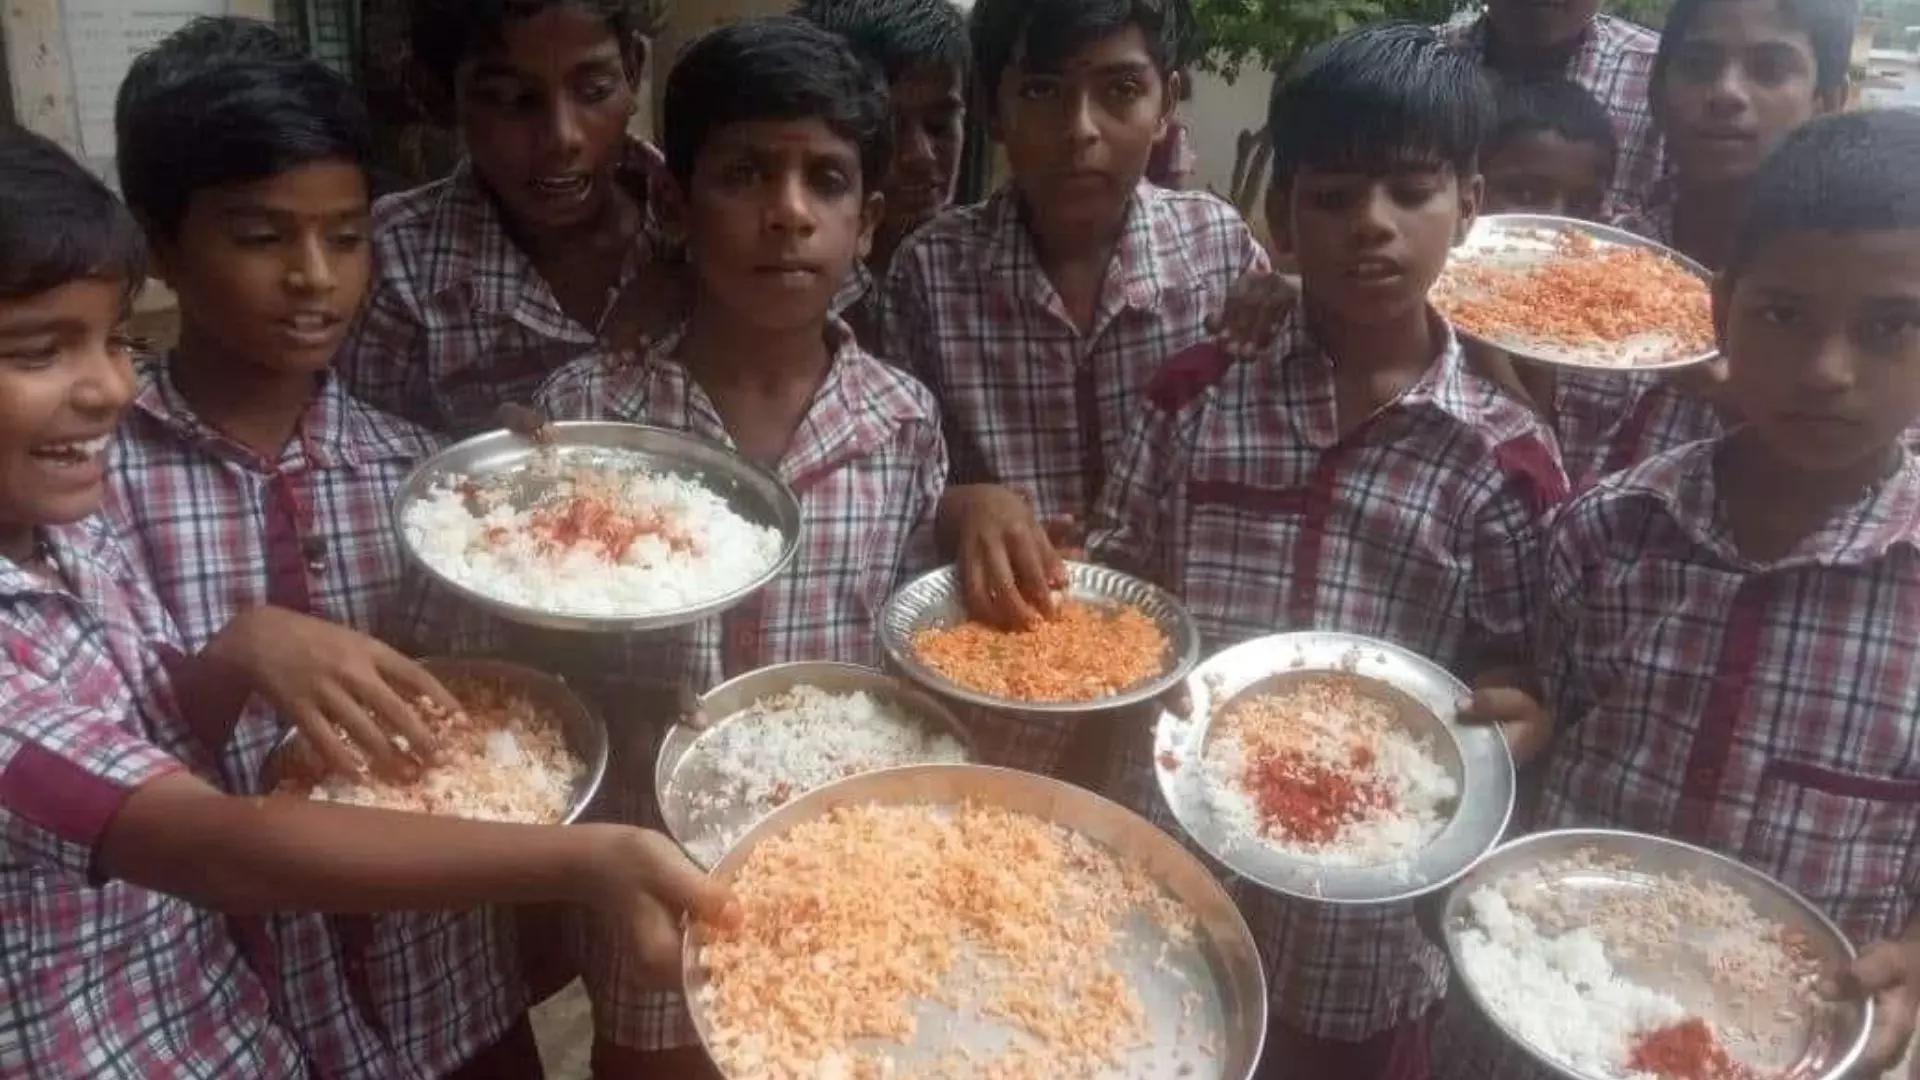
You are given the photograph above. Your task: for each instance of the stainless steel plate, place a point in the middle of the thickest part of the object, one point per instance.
(1423, 695)
(684, 768)
(1628, 863)
(1220, 964)
(585, 732)
(933, 601)
(1519, 242)
(510, 460)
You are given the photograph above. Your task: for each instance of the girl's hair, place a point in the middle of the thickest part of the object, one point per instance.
(1828, 25)
(448, 33)
(58, 223)
(1377, 99)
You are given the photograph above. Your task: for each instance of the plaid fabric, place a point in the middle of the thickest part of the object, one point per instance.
(869, 466)
(459, 322)
(102, 979)
(1027, 399)
(1615, 64)
(1763, 711)
(1610, 421)
(1420, 526)
(222, 531)
(1653, 217)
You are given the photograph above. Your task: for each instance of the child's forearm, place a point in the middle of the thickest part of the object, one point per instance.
(249, 855)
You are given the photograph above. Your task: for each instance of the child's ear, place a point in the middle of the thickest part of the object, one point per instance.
(639, 50)
(1473, 193)
(1169, 101)
(872, 211)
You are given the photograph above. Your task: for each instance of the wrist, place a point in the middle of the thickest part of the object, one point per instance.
(595, 871)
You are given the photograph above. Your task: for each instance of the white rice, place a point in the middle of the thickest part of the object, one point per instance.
(1559, 992)
(1326, 721)
(500, 552)
(788, 744)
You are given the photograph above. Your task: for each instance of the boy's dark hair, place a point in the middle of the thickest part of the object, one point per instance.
(58, 222)
(1848, 173)
(1552, 105)
(447, 33)
(1046, 32)
(1377, 99)
(775, 67)
(896, 36)
(227, 101)
(1828, 25)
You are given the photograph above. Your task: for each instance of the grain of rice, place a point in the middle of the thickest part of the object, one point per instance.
(611, 539)
(1082, 653)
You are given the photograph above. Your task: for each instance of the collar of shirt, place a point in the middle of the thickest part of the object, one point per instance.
(1008, 259)
(1684, 484)
(87, 553)
(1446, 385)
(857, 408)
(333, 433)
(498, 276)
(1603, 33)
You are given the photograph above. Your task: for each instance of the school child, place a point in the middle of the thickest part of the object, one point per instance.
(1724, 642)
(1551, 150)
(777, 139)
(921, 48)
(1731, 79)
(1037, 316)
(118, 859)
(1355, 477)
(537, 246)
(250, 477)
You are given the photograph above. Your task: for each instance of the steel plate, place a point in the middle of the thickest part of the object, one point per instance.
(933, 601)
(682, 767)
(1834, 1034)
(1523, 241)
(1221, 964)
(1423, 695)
(585, 732)
(750, 491)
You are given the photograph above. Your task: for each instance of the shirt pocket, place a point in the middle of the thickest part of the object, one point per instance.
(1238, 558)
(1843, 840)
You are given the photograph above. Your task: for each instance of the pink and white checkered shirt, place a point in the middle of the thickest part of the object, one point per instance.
(222, 531)
(102, 979)
(1765, 711)
(869, 466)
(459, 321)
(1420, 526)
(1027, 399)
(1610, 421)
(1615, 64)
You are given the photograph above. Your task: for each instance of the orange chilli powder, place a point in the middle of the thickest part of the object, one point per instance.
(1307, 801)
(1685, 1051)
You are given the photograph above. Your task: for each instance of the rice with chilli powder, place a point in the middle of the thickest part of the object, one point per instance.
(612, 539)
(1603, 306)
(1321, 770)
(1081, 654)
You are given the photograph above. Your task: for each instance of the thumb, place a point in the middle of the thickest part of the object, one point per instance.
(670, 877)
(1496, 704)
(1878, 968)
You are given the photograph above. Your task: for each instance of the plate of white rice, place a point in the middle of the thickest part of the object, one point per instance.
(607, 527)
(777, 733)
(1610, 955)
(1330, 767)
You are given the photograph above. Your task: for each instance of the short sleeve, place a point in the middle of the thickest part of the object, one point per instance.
(65, 771)
(568, 393)
(1509, 538)
(381, 362)
(922, 551)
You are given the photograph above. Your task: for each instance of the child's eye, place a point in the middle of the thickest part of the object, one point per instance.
(1888, 328)
(256, 238)
(830, 182)
(598, 90)
(1414, 193)
(347, 241)
(1039, 89)
(30, 355)
(1776, 314)
(1127, 90)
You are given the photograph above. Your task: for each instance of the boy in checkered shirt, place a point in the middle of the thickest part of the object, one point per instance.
(117, 856)
(1355, 477)
(1725, 640)
(777, 137)
(1037, 316)
(250, 477)
(538, 246)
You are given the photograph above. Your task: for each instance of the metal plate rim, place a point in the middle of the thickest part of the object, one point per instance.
(1488, 785)
(677, 746)
(593, 756)
(908, 781)
(1610, 234)
(567, 436)
(1492, 868)
(1183, 642)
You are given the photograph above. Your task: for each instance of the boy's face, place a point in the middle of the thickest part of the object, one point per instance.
(1543, 172)
(1741, 78)
(1369, 247)
(1078, 138)
(544, 116)
(271, 273)
(65, 374)
(929, 123)
(774, 220)
(1822, 335)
